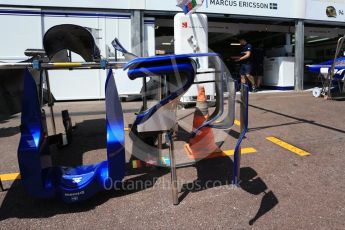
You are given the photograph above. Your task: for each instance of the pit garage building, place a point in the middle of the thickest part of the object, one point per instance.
(292, 33)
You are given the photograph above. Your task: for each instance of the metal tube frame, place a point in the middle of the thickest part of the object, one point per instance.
(173, 173)
(160, 135)
(41, 97)
(50, 103)
(63, 65)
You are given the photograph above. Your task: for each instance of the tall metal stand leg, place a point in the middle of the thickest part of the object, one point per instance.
(41, 89)
(173, 168)
(144, 95)
(244, 127)
(159, 148)
(50, 103)
(160, 136)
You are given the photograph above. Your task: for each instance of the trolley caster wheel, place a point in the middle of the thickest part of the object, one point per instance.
(317, 92)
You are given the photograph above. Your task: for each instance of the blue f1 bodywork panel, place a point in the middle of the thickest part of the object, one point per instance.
(40, 179)
(165, 65)
(340, 64)
(33, 146)
(339, 73)
(162, 65)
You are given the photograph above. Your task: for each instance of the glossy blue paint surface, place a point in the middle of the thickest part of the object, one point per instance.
(70, 184)
(327, 64)
(115, 131)
(150, 60)
(33, 144)
(161, 65)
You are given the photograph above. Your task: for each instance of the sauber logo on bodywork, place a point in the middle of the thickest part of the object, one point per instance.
(75, 194)
(77, 180)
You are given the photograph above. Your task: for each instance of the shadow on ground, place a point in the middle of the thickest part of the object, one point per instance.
(210, 173)
(9, 131)
(218, 172)
(87, 136)
(298, 121)
(5, 118)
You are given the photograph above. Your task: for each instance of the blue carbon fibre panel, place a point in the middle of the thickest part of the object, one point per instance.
(166, 64)
(159, 66)
(150, 60)
(33, 144)
(327, 64)
(115, 131)
(70, 184)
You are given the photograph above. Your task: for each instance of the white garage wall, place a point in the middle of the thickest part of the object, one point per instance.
(19, 32)
(24, 28)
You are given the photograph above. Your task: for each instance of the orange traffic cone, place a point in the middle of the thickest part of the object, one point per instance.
(202, 145)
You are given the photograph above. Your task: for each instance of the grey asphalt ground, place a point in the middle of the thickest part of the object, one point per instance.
(279, 189)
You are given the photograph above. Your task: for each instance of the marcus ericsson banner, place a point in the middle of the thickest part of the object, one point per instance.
(243, 4)
(324, 10)
(270, 8)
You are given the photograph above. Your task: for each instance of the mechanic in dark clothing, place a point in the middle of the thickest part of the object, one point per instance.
(246, 61)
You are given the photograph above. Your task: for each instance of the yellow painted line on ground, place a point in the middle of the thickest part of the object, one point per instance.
(135, 164)
(243, 151)
(9, 176)
(237, 122)
(288, 146)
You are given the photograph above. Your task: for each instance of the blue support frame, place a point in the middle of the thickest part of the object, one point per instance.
(237, 154)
